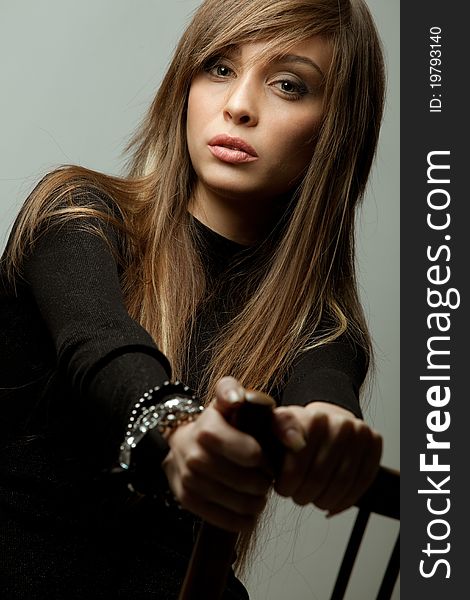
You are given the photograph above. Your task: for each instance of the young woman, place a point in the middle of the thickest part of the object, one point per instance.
(224, 259)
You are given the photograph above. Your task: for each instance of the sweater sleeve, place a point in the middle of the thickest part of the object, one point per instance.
(106, 356)
(333, 372)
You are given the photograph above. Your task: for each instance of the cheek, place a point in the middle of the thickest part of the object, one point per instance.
(191, 117)
(196, 116)
(298, 142)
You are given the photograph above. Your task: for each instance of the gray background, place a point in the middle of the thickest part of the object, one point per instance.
(76, 78)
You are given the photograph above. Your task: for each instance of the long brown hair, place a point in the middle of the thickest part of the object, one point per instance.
(311, 272)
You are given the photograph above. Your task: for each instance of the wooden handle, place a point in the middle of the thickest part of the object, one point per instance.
(209, 566)
(213, 551)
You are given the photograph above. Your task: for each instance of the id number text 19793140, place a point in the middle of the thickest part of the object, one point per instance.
(435, 69)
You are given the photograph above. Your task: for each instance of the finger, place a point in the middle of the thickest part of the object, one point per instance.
(243, 479)
(216, 493)
(367, 465)
(321, 483)
(229, 393)
(288, 430)
(200, 494)
(348, 473)
(218, 437)
(340, 491)
(297, 465)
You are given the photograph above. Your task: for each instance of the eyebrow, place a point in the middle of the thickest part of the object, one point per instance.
(294, 58)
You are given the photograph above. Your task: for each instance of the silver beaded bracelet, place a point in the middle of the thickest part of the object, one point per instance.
(176, 405)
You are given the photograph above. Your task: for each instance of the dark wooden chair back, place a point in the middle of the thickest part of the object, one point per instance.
(383, 498)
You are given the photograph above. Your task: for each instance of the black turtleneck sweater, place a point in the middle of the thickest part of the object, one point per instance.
(72, 364)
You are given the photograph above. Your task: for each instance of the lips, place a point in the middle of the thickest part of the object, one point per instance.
(232, 149)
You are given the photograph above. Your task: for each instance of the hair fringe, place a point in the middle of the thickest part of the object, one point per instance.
(311, 274)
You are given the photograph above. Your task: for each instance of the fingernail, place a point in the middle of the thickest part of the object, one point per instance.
(234, 396)
(295, 440)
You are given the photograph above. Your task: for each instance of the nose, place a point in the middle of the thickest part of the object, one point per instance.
(241, 105)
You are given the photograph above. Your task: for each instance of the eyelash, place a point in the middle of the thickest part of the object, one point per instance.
(300, 89)
(215, 64)
(213, 68)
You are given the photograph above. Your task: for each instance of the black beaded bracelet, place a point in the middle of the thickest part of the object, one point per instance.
(162, 407)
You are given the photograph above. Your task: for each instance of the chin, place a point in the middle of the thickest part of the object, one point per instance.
(234, 188)
(243, 194)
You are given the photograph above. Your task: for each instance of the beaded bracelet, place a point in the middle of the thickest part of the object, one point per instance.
(162, 407)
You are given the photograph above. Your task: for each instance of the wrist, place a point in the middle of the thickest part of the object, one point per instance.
(160, 410)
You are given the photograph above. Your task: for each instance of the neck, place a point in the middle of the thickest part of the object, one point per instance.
(243, 220)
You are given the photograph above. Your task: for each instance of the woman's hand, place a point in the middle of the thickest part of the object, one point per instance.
(331, 458)
(216, 471)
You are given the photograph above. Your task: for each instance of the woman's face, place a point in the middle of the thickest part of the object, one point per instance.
(251, 125)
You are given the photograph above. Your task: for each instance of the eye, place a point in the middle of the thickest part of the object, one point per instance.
(218, 68)
(222, 71)
(293, 90)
